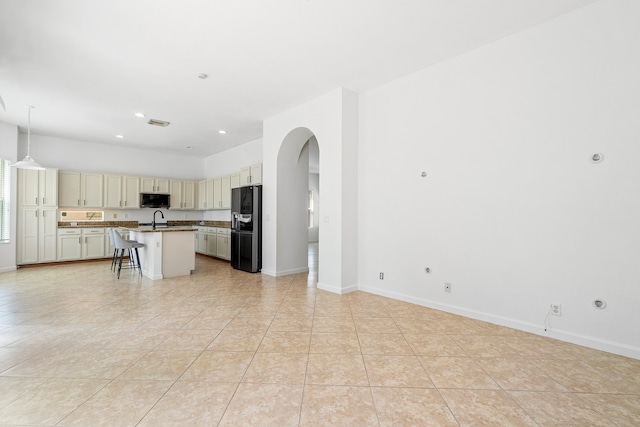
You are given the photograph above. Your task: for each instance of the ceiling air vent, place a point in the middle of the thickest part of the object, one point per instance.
(160, 123)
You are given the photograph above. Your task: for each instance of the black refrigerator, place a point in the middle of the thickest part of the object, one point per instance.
(246, 228)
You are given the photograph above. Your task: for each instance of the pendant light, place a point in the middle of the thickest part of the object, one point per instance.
(28, 162)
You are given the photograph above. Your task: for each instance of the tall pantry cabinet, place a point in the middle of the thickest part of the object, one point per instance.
(37, 210)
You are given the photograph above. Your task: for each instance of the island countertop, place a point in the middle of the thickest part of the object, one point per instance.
(167, 251)
(161, 229)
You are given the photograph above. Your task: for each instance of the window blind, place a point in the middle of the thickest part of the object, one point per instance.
(4, 200)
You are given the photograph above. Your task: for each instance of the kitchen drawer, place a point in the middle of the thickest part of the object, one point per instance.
(93, 231)
(69, 231)
(225, 231)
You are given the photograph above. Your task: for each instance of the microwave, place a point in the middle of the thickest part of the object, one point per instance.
(154, 200)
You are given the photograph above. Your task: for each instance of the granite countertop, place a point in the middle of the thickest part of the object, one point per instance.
(135, 224)
(160, 229)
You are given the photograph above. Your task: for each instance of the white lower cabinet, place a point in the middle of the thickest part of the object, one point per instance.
(214, 241)
(212, 244)
(223, 243)
(93, 243)
(69, 244)
(202, 241)
(81, 243)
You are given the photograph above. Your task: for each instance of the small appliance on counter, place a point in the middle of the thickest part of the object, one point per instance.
(246, 228)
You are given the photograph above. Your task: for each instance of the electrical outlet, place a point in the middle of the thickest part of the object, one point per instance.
(556, 309)
(381, 276)
(447, 287)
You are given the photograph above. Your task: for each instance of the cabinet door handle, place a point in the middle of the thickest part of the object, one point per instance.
(36, 214)
(85, 240)
(36, 200)
(78, 202)
(79, 240)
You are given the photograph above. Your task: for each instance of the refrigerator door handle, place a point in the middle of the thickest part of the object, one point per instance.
(234, 220)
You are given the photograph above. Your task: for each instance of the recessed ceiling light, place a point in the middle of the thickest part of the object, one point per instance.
(120, 136)
(139, 115)
(202, 76)
(190, 147)
(222, 131)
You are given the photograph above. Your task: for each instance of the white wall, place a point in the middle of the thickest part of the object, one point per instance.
(332, 118)
(86, 156)
(512, 213)
(232, 160)
(9, 151)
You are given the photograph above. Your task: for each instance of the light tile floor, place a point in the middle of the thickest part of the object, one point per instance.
(221, 347)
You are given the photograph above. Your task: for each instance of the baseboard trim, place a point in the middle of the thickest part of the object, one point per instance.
(337, 289)
(591, 342)
(7, 269)
(287, 272)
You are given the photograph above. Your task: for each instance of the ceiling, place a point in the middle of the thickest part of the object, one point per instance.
(88, 66)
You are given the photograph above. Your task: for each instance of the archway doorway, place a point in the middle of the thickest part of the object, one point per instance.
(313, 203)
(298, 202)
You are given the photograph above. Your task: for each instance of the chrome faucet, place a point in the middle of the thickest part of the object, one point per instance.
(154, 218)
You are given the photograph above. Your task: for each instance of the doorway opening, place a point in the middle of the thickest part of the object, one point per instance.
(313, 202)
(298, 243)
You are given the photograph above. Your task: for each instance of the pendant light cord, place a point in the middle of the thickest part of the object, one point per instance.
(29, 131)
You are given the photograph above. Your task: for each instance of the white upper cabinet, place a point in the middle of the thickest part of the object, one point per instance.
(245, 176)
(130, 192)
(183, 195)
(217, 193)
(235, 180)
(201, 197)
(38, 188)
(222, 192)
(226, 193)
(256, 173)
(175, 190)
(154, 185)
(83, 190)
(69, 189)
(188, 195)
(112, 191)
(205, 195)
(92, 190)
(121, 192)
(251, 175)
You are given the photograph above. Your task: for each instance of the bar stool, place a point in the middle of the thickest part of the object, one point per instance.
(129, 245)
(114, 256)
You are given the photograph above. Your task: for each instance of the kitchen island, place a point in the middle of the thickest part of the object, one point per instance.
(168, 251)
